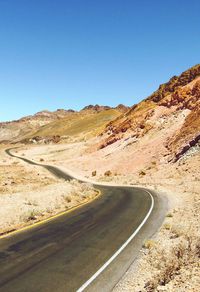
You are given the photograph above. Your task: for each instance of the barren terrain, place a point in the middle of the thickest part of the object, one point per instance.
(154, 144)
(177, 269)
(30, 193)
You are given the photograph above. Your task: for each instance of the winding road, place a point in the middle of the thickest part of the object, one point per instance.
(88, 249)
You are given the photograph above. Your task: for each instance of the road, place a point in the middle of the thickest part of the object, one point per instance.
(63, 254)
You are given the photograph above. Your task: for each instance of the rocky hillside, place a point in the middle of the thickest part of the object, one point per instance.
(46, 126)
(17, 129)
(98, 108)
(178, 97)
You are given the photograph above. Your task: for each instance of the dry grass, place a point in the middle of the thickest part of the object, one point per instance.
(167, 226)
(30, 193)
(168, 263)
(21, 209)
(148, 244)
(78, 124)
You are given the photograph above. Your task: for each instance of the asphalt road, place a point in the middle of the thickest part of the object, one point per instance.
(61, 255)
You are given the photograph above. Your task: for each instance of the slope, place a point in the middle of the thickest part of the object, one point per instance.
(180, 96)
(81, 123)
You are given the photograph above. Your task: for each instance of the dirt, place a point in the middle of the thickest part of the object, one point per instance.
(170, 260)
(29, 193)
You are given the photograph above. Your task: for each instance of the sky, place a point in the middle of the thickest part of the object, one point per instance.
(71, 53)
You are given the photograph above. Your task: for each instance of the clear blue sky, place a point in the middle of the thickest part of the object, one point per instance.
(71, 53)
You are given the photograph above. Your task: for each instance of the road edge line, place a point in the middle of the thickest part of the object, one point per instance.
(124, 245)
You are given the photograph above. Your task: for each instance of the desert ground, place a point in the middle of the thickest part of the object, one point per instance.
(167, 262)
(30, 193)
(170, 260)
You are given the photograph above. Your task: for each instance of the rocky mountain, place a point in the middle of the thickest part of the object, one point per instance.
(179, 99)
(98, 108)
(17, 129)
(50, 126)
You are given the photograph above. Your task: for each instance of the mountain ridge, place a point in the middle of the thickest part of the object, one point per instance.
(29, 126)
(179, 94)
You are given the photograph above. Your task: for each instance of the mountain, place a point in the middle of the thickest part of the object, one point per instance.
(46, 126)
(169, 119)
(17, 129)
(177, 100)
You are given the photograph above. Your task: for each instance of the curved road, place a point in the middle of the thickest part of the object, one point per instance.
(63, 254)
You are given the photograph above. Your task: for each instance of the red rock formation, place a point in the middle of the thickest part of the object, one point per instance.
(188, 136)
(179, 93)
(183, 98)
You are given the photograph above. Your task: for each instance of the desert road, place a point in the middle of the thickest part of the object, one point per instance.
(88, 249)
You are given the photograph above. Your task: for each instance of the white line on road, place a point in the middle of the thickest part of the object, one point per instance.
(88, 282)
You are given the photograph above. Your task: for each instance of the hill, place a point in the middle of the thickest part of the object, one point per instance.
(154, 144)
(179, 97)
(46, 126)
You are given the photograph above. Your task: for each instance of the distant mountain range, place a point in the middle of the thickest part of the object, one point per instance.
(177, 100)
(47, 124)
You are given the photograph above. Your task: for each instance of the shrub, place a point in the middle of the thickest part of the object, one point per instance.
(32, 215)
(148, 244)
(169, 215)
(168, 263)
(108, 173)
(94, 173)
(142, 173)
(68, 199)
(167, 226)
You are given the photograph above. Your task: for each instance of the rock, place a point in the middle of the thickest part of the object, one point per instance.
(94, 173)
(96, 108)
(108, 173)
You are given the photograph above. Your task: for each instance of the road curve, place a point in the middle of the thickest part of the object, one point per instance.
(80, 250)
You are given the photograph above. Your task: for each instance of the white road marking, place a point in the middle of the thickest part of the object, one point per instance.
(88, 282)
